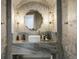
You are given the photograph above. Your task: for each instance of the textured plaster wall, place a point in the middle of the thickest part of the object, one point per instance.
(32, 5)
(69, 28)
(68, 23)
(3, 28)
(21, 8)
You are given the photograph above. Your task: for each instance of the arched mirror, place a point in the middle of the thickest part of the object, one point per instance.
(33, 20)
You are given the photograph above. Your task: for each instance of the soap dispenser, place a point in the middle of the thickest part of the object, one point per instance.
(17, 37)
(23, 37)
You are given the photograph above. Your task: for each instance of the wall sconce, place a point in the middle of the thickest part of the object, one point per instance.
(17, 23)
(17, 26)
(2, 23)
(66, 22)
(50, 22)
(50, 17)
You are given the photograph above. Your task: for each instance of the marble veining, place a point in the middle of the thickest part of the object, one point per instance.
(34, 49)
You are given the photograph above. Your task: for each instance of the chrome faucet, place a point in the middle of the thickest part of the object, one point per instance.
(44, 37)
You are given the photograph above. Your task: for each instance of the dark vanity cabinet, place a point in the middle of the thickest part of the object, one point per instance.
(21, 57)
(17, 57)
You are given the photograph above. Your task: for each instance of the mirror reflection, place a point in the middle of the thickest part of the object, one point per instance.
(33, 20)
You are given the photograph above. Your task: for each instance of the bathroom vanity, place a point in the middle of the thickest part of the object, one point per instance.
(34, 30)
(41, 50)
(35, 46)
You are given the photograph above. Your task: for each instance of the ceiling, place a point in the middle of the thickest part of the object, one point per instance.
(19, 3)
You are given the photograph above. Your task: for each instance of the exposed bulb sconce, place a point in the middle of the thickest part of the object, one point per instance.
(50, 22)
(66, 22)
(17, 22)
(2, 23)
(17, 26)
(50, 17)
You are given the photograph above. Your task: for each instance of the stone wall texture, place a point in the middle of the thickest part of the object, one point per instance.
(41, 7)
(69, 26)
(3, 28)
(69, 29)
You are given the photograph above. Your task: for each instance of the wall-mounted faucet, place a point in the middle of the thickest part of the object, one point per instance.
(46, 36)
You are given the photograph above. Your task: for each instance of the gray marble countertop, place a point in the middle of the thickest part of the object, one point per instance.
(42, 41)
(43, 49)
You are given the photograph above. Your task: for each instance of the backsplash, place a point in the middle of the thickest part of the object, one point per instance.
(24, 37)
